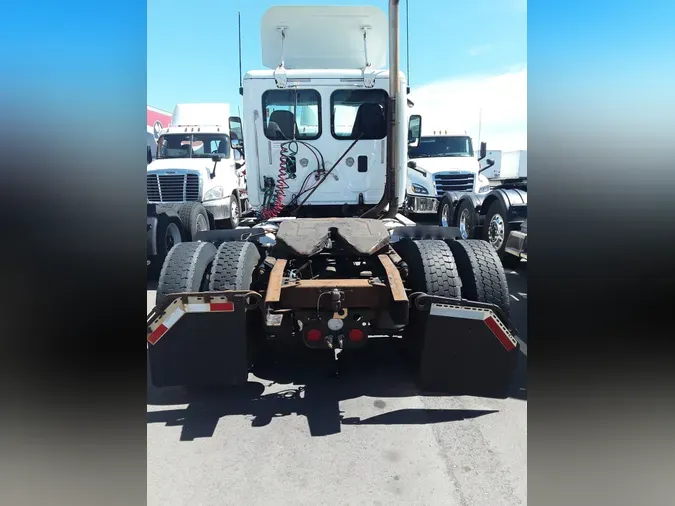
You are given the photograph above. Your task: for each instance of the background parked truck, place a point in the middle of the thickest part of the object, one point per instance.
(498, 216)
(197, 180)
(442, 160)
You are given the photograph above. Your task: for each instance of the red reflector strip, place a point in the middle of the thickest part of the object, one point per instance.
(167, 322)
(499, 333)
(157, 334)
(222, 306)
(169, 319)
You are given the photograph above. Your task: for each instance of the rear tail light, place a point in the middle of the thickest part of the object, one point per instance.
(314, 335)
(356, 335)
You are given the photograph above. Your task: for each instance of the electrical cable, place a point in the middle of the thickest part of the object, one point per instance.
(273, 200)
(328, 173)
(276, 204)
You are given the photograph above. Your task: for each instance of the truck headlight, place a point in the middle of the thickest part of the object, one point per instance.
(484, 189)
(417, 188)
(214, 193)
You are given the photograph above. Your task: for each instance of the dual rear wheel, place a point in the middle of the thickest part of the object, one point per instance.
(455, 356)
(200, 266)
(469, 269)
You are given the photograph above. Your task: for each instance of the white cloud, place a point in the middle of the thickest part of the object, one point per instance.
(477, 50)
(456, 103)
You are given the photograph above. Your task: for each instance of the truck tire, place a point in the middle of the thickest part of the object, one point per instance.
(496, 231)
(185, 269)
(432, 268)
(445, 212)
(235, 212)
(193, 218)
(233, 266)
(482, 273)
(168, 234)
(466, 219)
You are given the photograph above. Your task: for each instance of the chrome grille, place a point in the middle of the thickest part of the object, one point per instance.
(454, 182)
(172, 187)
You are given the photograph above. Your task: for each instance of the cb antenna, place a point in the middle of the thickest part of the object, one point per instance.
(407, 48)
(241, 88)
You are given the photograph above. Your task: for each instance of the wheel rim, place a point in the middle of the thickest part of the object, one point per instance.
(445, 211)
(465, 224)
(172, 236)
(202, 223)
(496, 231)
(234, 211)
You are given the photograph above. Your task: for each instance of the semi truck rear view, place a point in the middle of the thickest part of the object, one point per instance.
(329, 263)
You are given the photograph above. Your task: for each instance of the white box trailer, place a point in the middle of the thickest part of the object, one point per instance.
(513, 165)
(157, 120)
(507, 164)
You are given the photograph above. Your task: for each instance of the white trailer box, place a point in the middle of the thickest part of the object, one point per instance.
(495, 156)
(508, 164)
(514, 164)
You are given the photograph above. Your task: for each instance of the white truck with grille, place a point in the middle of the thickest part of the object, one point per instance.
(441, 160)
(197, 180)
(195, 164)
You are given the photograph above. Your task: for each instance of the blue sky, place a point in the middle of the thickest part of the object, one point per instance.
(198, 61)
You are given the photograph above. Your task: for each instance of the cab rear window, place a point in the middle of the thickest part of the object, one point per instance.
(292, 114)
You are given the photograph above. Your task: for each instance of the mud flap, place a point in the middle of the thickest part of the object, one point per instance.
(467, 350)
(199, 340)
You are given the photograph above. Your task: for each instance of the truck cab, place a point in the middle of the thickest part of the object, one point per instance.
(199, 159)
(440, 160)
(315, 121)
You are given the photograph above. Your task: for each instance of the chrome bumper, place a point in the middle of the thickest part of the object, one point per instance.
(422, 205)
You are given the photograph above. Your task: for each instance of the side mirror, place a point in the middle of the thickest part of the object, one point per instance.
(414, 129)
(149, 155)
(216, 158)
(483, 150)
(412, 164)
(238, 165)
(236, 133)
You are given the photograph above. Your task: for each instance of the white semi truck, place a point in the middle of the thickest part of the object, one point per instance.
(442, 161)
(196, 181)
(499, 215)
(328, 262)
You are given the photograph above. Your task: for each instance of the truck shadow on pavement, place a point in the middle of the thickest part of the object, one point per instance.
(302, 383)
(304, 386)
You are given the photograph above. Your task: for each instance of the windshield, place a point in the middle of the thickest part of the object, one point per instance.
(433, 147)
(193, 145)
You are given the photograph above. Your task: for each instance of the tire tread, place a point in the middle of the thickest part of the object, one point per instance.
(233, 266)
(482, 272)
(184, 268)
